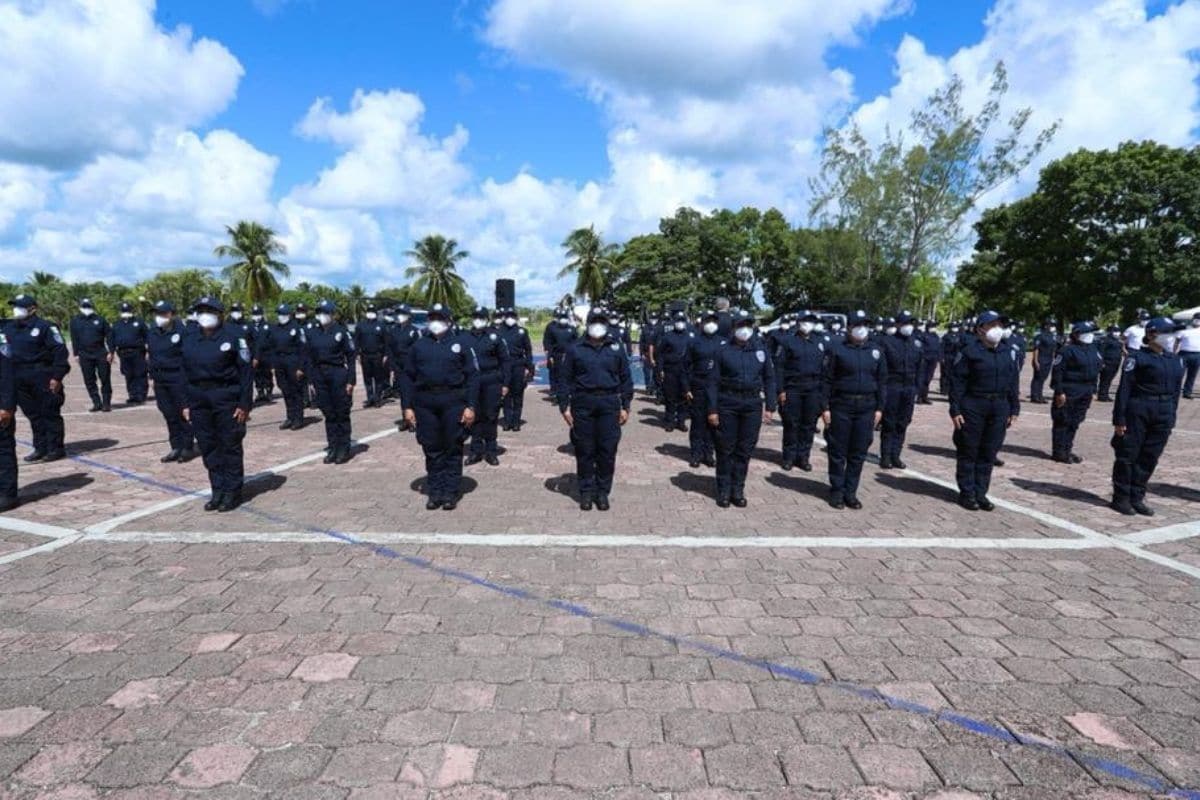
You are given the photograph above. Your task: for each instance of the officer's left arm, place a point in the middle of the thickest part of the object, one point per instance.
(626, 375)
(881, 374)
(1124, 390)
(770, 397)
(8, 387)
(566, 380)
(351, 370)
(505, 357)
(245, 375)
(60, 363)
(471, 371)
(528, 345)
(1014, 393)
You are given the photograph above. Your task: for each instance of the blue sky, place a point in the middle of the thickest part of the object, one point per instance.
(134, 131)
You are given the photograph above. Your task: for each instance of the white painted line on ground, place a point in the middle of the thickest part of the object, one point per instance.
(116, 522)
(36, 528)
(605, 540)
(1166, 561)
(53, 544)
(1098, 421)
(1170, 533)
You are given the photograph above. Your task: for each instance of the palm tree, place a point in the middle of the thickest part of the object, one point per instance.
(925, 288)
(591, 262)
(354, 302)
(252, 277)
(958, 303)
(40, 280)
(436, 277)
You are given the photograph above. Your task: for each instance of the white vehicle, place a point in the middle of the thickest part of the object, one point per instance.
(1186, 314)
(826, 317)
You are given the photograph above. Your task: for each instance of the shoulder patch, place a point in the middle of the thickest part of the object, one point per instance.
(1013, 355)
(54, 333)
(292, 332)
(761, 356)
(136, 323)
(175, 338)
(918, 343)
(35, 331)
(1130, 364)
(615, 346)
(521, 330)
(337, 337)
(492, 336)
(456, 348)
(958, 356)
(226, 347)
(691, 335)
(1057, 360)
(875, 354)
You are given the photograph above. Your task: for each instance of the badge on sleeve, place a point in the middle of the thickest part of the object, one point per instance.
(1013, 355)
(56, 335)
(615, 346)
(4, 349)
(175, 339)
(293, 332)
(1057, 361)
(226, 347)
(1130, 364)
(492, 336)
(337, 337)
(761, 356)
(244, 350)
(821, 346)
(456, 348)
(875, 354)
(35, 331)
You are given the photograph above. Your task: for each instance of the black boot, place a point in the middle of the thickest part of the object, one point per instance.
(230, 501)
(214, 502)
(96, 406)
(169, 457)
(54, 455)
(186, 455)
(342, 454)
(34, 457)
(286, 425)
(602, 502)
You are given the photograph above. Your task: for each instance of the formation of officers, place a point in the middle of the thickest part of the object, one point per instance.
(718, 376)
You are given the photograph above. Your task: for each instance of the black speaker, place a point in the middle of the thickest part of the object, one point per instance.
(506, 293)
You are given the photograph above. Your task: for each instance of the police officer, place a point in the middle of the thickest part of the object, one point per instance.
(39, 359)
(558, 337)
(595, 391)
(698, 365)
(328, 362)
(1045, 346)
(1018, 342)
(799, 372)
(669, 353)
(127, 338)
(1144, 414)
(856, 379)
(400, 339)
(370, 339)
(305, 324)
(952, 340)
(1112, 350)
(742, 377)
(439, 384)
(520, 368)
(491, 355)
(931, 356)
(281, 350)
(1135, 333)
(165, 348)
(263, 383)
(646, 341)
(8, 428)
(220, 382)
(904, 355)
(89, 345)
(1189, 354)
(1073, 381)
(246, 329)
(984, 402)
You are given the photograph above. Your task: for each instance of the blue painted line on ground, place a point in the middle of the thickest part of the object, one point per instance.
(979, 727)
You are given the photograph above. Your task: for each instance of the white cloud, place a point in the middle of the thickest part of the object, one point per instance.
(84, 77)
(23, 189)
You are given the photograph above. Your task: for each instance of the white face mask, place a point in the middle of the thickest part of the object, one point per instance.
(126, 315)
(819, 327)
(1087, 338)
(837, 326)
(257, 318)
(324, 319)
(161, 320)
(510, 321)
(208, 320)
(806, 328)
(859, 333)
(597, 330)
(236, 316)
(743, 333)
(1007, 333)
(284, 319)
(1051, 329)
(710, 328)
(787, 326)
(87, 312)
(20, 313)
(479, 324)
(906, 330)
(889, 331)
(994, 335)
(1196, 323)
(372, 315)
(680, 326)
(402, 319)
(300, 315)
(437, 327)
(1166, 341)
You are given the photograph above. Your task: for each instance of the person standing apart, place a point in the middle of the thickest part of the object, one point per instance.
(1144, 415)
(8, 429)
(89, 344)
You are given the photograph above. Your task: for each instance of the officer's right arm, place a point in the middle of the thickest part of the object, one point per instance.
(712, 385)
(566, 380)
(8, 389)
(959, 373)
(74, 328)
(1124, 391)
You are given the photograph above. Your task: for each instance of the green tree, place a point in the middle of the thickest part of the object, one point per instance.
(252, 278)
(925, 290)
(907, 201)
(182, 287)
(436, 274)
(354, 302)
(592, 263)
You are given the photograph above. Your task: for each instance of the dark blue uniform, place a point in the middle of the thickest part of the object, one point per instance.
(985, 391)
(931, 356)
(440, 380)
(264, 383)
(328, 359)
(1074, 375)
(400, 339)
(595, 385)
(89, 344)
(555, 342)
(1045, 346)
(281, 348)
(520, 368)
(165, 346)
(670, 354)
(905, 359)
(220, 380)
(491, 355)
(39, 356)
(1112, 351)
(855, 377)
(701, 358)
(646, 343)
(8, 439)
(128, 339)
(952, 342)
(370, 339)
(1146, 403)
(800, 372)
(743, 376)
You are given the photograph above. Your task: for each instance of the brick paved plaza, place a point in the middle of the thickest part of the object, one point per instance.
(334, 639)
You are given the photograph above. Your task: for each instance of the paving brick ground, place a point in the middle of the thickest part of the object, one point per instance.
(162, 667)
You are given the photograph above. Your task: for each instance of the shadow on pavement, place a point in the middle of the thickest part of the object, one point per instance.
(83, 446)
(466, 486)
(50, 487)
(799, 483)
(1179, 492)
(702, 484)
(564, 484)
(907, 485)
(1059, 491)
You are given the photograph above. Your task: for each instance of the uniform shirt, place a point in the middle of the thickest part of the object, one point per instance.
(491, 353)
(165, 346)
(931, 346)
(1076, 369)
(1021, 345)
(951, 343)
(370, 337)
(8, 378)
(699, 360)
(853, 368)
(558, 338)
(672, 347)
(282, 345)
(437, 364)
(591, 367)
(246, 329)
(1134, 335)
(1189, 340)
(400, 339)
(219, 359)
(740, 367)
(89, 336)
(1111, 350)
(903, 356)
(128, 334)
(800, 362)
(1046, 345)
(35, 344)
(520, 348)
(724, 324)
(1147, 374)
(982, 370)
(329, 347)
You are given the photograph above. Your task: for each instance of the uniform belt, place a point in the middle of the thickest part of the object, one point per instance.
(740, 391)
(988, 395)
(495, 372)
(210, 384)
(847, 396)
(331, 365)
(596, 392)
(803, 385)
(372, 354)
(128, 350)
(440, 387)
(1153, 397)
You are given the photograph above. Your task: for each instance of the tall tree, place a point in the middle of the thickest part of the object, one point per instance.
(252, 278)
(354, 302)
(180, 286)
(436, 274)
(907, 201)
(592, 263)
(926, 288)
